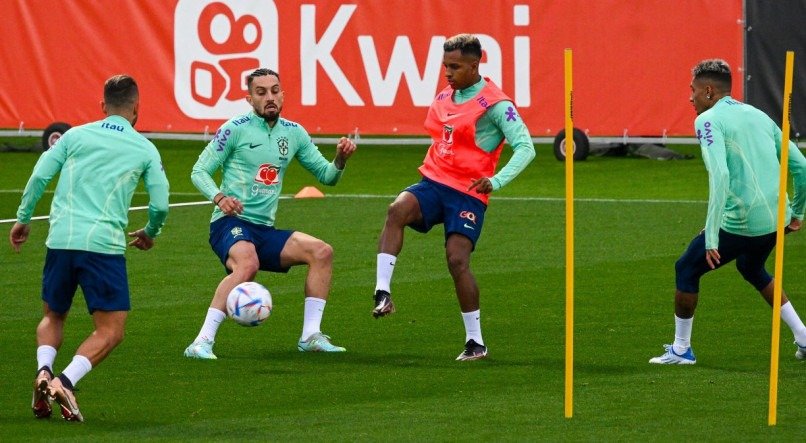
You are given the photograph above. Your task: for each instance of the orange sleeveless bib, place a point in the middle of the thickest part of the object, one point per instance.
(454, 159)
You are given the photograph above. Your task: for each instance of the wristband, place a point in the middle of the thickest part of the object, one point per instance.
(219, 200)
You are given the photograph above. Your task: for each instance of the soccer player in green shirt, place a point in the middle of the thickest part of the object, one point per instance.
(100, 165)
(741, 148)
(254, 151)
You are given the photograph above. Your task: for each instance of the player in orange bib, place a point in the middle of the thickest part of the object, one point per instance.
(468, 123)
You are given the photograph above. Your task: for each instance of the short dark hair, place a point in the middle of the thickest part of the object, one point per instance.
(467, 44)
(120, 91)
(716, 70)
(260, 72)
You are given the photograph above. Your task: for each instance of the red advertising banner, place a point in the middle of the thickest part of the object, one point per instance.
(371, 64)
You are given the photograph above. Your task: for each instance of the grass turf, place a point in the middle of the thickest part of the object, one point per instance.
(398, 380)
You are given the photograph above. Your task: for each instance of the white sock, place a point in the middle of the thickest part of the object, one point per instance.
(314, 308)
(682, 334)
(383, 272)
(45, 356)
(790, 317)
(473, 326)
(211, 324)
(77, 368)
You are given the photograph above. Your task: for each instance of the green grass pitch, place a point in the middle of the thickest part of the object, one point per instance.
(399, 381)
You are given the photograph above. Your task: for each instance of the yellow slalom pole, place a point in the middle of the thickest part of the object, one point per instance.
(779, 241)
(569, 238)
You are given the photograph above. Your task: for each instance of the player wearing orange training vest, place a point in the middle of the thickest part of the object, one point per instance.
(468, 123)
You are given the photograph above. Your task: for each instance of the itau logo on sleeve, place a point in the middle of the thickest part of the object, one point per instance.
(216, 46)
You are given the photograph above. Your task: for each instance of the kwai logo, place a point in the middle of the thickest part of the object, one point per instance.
(216, 45)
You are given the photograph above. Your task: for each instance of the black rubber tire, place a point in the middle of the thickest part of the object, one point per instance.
(581, 145)
(52, 133)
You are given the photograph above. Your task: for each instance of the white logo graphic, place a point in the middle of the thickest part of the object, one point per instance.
(236, 231)
(216, 45)
(320, 36)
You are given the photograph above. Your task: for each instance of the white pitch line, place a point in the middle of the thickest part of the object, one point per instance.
(50, 191)
(543, 199)
(389, 197)
(546, 199)
(133, 208)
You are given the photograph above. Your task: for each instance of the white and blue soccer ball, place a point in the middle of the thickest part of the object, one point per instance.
(249, 304)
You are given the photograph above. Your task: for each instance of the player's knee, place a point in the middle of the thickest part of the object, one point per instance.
(686, 280)
(458, 262)
(393, 213)
(680, 266)
(683, 270)
(52, 319)
(747, 270)
(246, 269)
(755, 275)
(398, 213)
(322, 252)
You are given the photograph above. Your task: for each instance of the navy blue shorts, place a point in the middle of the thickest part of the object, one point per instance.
(461, 213)
(268, 241)
(750, 254)
(102, 278)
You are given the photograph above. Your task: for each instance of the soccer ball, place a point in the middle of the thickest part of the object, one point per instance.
(249, 304)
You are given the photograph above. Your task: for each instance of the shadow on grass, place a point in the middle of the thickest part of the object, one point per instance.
(404, 360)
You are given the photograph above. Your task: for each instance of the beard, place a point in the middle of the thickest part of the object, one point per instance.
(270, 115)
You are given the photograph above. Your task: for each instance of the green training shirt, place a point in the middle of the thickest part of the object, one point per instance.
(100, 165)
(501, 121)
(254, 158)
(741, 147)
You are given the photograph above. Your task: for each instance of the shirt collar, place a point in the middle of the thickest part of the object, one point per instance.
(470, 91)
(117, 119)
(263, 122)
